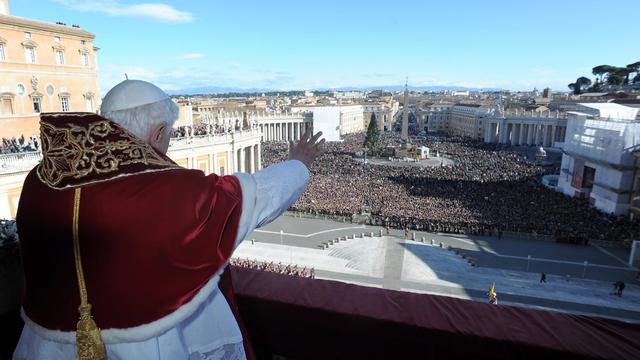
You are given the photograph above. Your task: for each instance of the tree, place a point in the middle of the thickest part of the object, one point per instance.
(601, 70)
(635, 67)
(580, 85)
(618, 76)
(596, 87)
(372, 139)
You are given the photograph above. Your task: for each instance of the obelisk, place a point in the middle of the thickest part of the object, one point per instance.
(405, 113)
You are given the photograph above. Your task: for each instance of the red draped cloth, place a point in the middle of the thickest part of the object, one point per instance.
(152, 234)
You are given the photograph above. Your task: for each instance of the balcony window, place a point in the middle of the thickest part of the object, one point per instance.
(2, 53)
(56, 39)
(27, 35)
(59, 57)
(89, 103)
(37, 104)
(84, 59)
(64, 102)
(30, 55)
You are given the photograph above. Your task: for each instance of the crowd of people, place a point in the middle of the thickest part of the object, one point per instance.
(19, 145)
(488, 189)
(196, 130)
(8, 233)
(294, 270)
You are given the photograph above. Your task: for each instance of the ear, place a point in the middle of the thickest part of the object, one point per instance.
(157, 133)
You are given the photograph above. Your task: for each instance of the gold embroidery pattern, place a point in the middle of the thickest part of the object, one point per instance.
(75, 152)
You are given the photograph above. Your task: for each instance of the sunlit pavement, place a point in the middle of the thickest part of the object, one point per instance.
(402, 264)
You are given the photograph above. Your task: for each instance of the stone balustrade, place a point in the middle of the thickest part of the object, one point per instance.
(19, 161)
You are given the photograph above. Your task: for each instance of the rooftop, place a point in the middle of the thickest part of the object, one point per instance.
(41, 25)
(611, 110)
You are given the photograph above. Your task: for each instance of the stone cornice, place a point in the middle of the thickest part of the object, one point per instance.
(43, 26)
(29, 43)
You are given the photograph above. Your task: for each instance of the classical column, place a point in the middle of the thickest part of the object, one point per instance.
(504, 132)
(242, 162)
(252, 165)
(487, 131)
(231, 162)
(514, 134)
(537, 135)
(259, 156)
(212, 163)
(523, 129)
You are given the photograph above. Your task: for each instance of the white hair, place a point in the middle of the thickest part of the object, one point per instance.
(139, 120)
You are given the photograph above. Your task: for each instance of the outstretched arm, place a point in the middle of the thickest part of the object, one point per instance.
(271, 191)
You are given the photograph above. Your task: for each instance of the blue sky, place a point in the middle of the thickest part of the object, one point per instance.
(285, 44)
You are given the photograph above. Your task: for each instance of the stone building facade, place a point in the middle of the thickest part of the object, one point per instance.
(43, 68)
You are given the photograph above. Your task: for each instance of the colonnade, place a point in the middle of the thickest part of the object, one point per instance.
(282, 131)
(247, 159)
(524, 133)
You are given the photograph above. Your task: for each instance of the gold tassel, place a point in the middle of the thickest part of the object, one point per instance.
(88, 338)
(89, 342)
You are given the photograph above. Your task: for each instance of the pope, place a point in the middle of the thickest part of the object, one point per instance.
(124, 251)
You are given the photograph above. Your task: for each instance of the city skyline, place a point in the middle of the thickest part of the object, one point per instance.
(294, 46)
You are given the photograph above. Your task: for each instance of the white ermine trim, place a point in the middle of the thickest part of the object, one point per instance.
(136, 333)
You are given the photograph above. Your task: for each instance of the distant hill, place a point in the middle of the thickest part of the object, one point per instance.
(225, 90)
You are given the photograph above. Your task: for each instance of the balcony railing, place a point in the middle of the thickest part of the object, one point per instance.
(189, 141)
(19, 161)
(302, 318)
(25, 161)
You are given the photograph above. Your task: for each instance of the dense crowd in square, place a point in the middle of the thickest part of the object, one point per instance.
(489, 189)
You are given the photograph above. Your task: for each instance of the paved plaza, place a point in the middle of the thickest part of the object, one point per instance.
(393, 262)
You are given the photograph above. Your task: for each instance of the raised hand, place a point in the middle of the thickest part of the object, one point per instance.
(307, 149)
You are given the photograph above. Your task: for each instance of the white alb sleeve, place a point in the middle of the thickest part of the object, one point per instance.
(268, 193)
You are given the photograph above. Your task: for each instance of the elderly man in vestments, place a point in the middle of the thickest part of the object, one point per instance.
(124, 250)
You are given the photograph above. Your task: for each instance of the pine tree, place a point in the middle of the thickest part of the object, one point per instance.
(372, 139)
